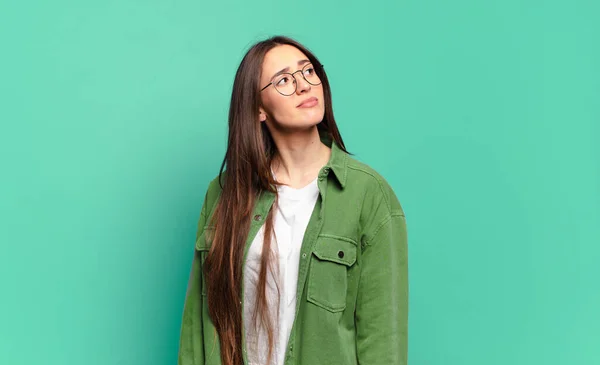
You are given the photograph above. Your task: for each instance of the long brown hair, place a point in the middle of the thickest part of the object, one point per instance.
(250, 151)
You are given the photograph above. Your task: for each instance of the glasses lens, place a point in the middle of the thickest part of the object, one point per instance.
(285, 84)
(310, 74)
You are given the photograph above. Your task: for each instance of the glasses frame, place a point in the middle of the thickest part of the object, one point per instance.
(294, 78)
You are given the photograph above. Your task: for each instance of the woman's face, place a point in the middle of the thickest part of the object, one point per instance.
(305, 106)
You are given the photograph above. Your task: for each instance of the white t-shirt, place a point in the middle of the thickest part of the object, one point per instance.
(291, 218)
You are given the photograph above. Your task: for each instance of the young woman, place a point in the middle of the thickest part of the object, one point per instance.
(301, 250)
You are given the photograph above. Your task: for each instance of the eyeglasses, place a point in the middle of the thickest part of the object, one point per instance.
(285, 83)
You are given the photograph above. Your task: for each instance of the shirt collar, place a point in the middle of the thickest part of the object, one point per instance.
(337, 161)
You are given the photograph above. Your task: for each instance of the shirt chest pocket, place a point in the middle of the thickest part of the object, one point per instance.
(328, 273)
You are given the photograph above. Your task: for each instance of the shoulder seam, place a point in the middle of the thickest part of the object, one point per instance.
(380, 225)
(387, 202)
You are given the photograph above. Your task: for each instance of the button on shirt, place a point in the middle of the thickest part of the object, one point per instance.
(291, 218)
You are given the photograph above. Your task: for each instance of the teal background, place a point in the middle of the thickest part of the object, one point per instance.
(483, 115)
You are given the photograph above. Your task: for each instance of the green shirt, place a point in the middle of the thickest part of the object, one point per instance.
(352, 291)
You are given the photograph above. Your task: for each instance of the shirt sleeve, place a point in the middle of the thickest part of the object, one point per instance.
(191, 347)
(382, 302)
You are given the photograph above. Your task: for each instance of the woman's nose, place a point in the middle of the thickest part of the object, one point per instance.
(301, 84)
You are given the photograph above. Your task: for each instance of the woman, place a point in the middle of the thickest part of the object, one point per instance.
(301, 250)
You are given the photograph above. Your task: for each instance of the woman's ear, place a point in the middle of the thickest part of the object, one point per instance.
(262, 116)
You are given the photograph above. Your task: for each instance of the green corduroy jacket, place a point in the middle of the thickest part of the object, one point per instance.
(352, 278)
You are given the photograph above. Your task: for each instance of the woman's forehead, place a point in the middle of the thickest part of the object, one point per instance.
(281, 57)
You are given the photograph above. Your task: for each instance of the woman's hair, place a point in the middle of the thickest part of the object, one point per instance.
(250, 150)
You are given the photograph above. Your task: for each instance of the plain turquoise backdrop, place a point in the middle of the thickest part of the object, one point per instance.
(483, 115)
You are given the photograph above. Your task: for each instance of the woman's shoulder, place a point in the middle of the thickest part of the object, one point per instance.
(372, 184)
(212, 193)
(214, 186)
(364, 172)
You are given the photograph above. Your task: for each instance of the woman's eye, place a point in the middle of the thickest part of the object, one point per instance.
(309, 71)
(282, 81)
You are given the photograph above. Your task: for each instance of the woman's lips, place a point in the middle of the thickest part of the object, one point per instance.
(308, 103)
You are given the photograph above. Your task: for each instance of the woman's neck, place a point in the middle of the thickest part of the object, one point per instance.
(300, 156)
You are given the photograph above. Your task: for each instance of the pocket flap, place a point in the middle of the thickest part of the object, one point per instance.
(335, 250)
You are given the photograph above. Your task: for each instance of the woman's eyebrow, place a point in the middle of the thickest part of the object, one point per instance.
(287, 69)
